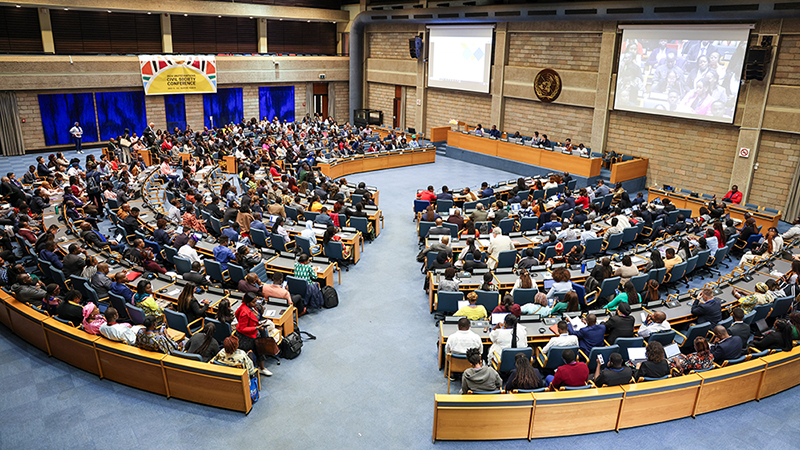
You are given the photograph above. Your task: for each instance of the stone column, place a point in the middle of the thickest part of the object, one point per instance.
(166, 34)
(603, 93)
(48, 45)
(498, 75)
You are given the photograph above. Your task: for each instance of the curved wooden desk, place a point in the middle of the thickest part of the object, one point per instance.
(378, 161)
(549, 414)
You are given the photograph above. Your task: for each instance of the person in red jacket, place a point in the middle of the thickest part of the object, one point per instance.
(572, 373)
(733, 196)
(248, 329)
(427, 194)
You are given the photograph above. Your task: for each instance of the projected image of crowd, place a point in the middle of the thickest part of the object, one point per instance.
(680, 77)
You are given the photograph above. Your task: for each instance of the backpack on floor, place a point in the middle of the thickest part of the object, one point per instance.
(330, 296)
(291, 346)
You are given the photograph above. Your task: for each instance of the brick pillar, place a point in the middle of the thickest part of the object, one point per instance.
(250, 101)
(421, 106)
(156, 112)
(498, 73)
(194, 111)
(48, 45)
(166, 34)
(603, 93)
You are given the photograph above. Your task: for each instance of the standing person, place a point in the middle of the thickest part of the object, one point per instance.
(248, 329)
(77, 136)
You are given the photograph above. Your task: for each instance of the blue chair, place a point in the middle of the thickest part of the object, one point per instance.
(657, 274)
(488, 299)
(443, 206)
(591, 359)
(524, 296)
(506, 259)
(236, 273)
(629, 234)
(663, 337)
(178, 321)
(214, 270)
(641, 379)
(447, 302)
(568, 245)
(291, 212)
(762, 312)
(528, 391)
(135, 314)
(508, 358)
(507, 226)
(221, 329)
(279, 244)
(575, 388)
(297, 286)
(614, 242)
(625, 343)
(58, 277)
(781, 307)
(528, 223)
(640, 281)
(607, 288)
(553, 359)
(676, 274)
(423, 228)
(334, 250)
(499, 391)
(259, 238)
(310, 215)
(182, 265)
(567, 214)
(119, 304)
(686, 342)
(362, 224)
(718, 259)
(305, 246)
(593, 246)
(189, 356)
(702, 263)
(170, 253)
(420, 206)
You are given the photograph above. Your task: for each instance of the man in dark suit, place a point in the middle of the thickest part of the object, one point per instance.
(75, 261)
(196, 276)
(680, 225)
(213, 207)
(100, 280)
(96, 239)
(707, 308)
(725, 346)
(739, 328)
(131, 222)
(621, 324)
(11, 191)
(475, 262)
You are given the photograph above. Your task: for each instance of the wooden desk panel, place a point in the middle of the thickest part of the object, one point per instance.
(481, 417)
(554, 412)
(27, 324)
(730, 386)
(681, 201)
(208, 384)
(131, 366)
(629, 170)
(366, 163)
(5, 319)
(71, 345)
(557, 161)
(675, 398)
(439, 134)
(230, 164)
(782, 372)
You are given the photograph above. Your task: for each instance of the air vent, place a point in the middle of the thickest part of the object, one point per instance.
(399, 17)
(730, 8)
(397, 7)
(787, 6)
(443, 5)
(507, 13)
(544, 12)
(675, 9)
(448, 16)
(476, 14)
(580, 11)
(379, 17)
(469, 3)
(625, 10)
(423, 16)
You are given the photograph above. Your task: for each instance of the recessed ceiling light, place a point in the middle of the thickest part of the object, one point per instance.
(220, 17)
(251, 17)
(333, 23)
(109, 11)
(66, 9)
(19, 6)
(281, 20)
(185, 15)
(148, 12)
(308, 21)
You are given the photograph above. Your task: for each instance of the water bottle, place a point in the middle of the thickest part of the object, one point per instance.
(583, 267)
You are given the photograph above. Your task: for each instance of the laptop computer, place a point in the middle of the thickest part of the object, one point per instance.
(498, 318)
(462, 303)
(548, 284)
(672, 350)
(637, 354)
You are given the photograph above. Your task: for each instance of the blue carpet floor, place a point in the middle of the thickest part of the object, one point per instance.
(367, 382)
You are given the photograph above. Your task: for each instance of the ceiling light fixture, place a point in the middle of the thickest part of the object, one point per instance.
(185, 15)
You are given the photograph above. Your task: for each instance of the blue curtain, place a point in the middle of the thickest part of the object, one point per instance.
(225, 106)
(59, 113)
(175, 106)
(276, 101)
(117, 111)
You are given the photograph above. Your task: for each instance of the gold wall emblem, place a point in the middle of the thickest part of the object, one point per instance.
(547, 85)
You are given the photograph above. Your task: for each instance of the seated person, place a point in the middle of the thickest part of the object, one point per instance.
(671, 259)
(189, 305)
(707, 308)
(629, 296)
(656, 365)
(626, 271)
(479, 378)
(778, 338)
(654, 323)
(92, 319)
(573, 373)
(569, 304)
(118, 287)
(701, 359)
(26, 290)
(203, 343)
(508, 306)
(71, 309)
(725, 346)
(472, 311)
(145, 299)
(155, 339)
(620, 324)
(524, 376)
(590, 336)
(232, 355)
(539, 305)
(250, 283)
(562, 283)
(748, 303)
(564, 339)
(97, 239)
(615, 374)
(450, 282)
(475, 262)
(463, 339)
(118, 332)
(529, 261)
(738, 327)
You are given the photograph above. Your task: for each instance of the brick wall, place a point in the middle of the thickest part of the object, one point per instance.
(250, 102)
(341, 92)
(468, 107)
(32, 134)
(558, 122)
(778, 156)
(299, 100)
(380, 97)
(788, 62)
(154, 107)
(568, 51)
(194, 111)
(411, 107)
(393, 45)
(683, 153)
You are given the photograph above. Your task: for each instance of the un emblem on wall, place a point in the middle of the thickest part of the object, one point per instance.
(547, 85)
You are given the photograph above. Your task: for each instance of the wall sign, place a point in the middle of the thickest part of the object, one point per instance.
(547, 85)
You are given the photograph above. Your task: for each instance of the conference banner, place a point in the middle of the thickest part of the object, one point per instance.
(176, 74)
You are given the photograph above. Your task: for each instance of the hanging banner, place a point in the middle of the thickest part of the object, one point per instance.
(175, 74)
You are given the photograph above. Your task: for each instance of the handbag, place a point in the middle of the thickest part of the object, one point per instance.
(124, 142)
(265, 345)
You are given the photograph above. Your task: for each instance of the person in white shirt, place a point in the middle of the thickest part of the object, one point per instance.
(118, 332)
(463, 339)
(413, 142)
(566, 233)
(77, 135)
(187, 251)
(508, 334)
(564, 339)
(654, 323)
(613, 229)
(793, 232)
(588, 233)
(174, 213)
(498, 243)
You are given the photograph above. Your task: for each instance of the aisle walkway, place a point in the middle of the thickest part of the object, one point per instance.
(367, 382)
